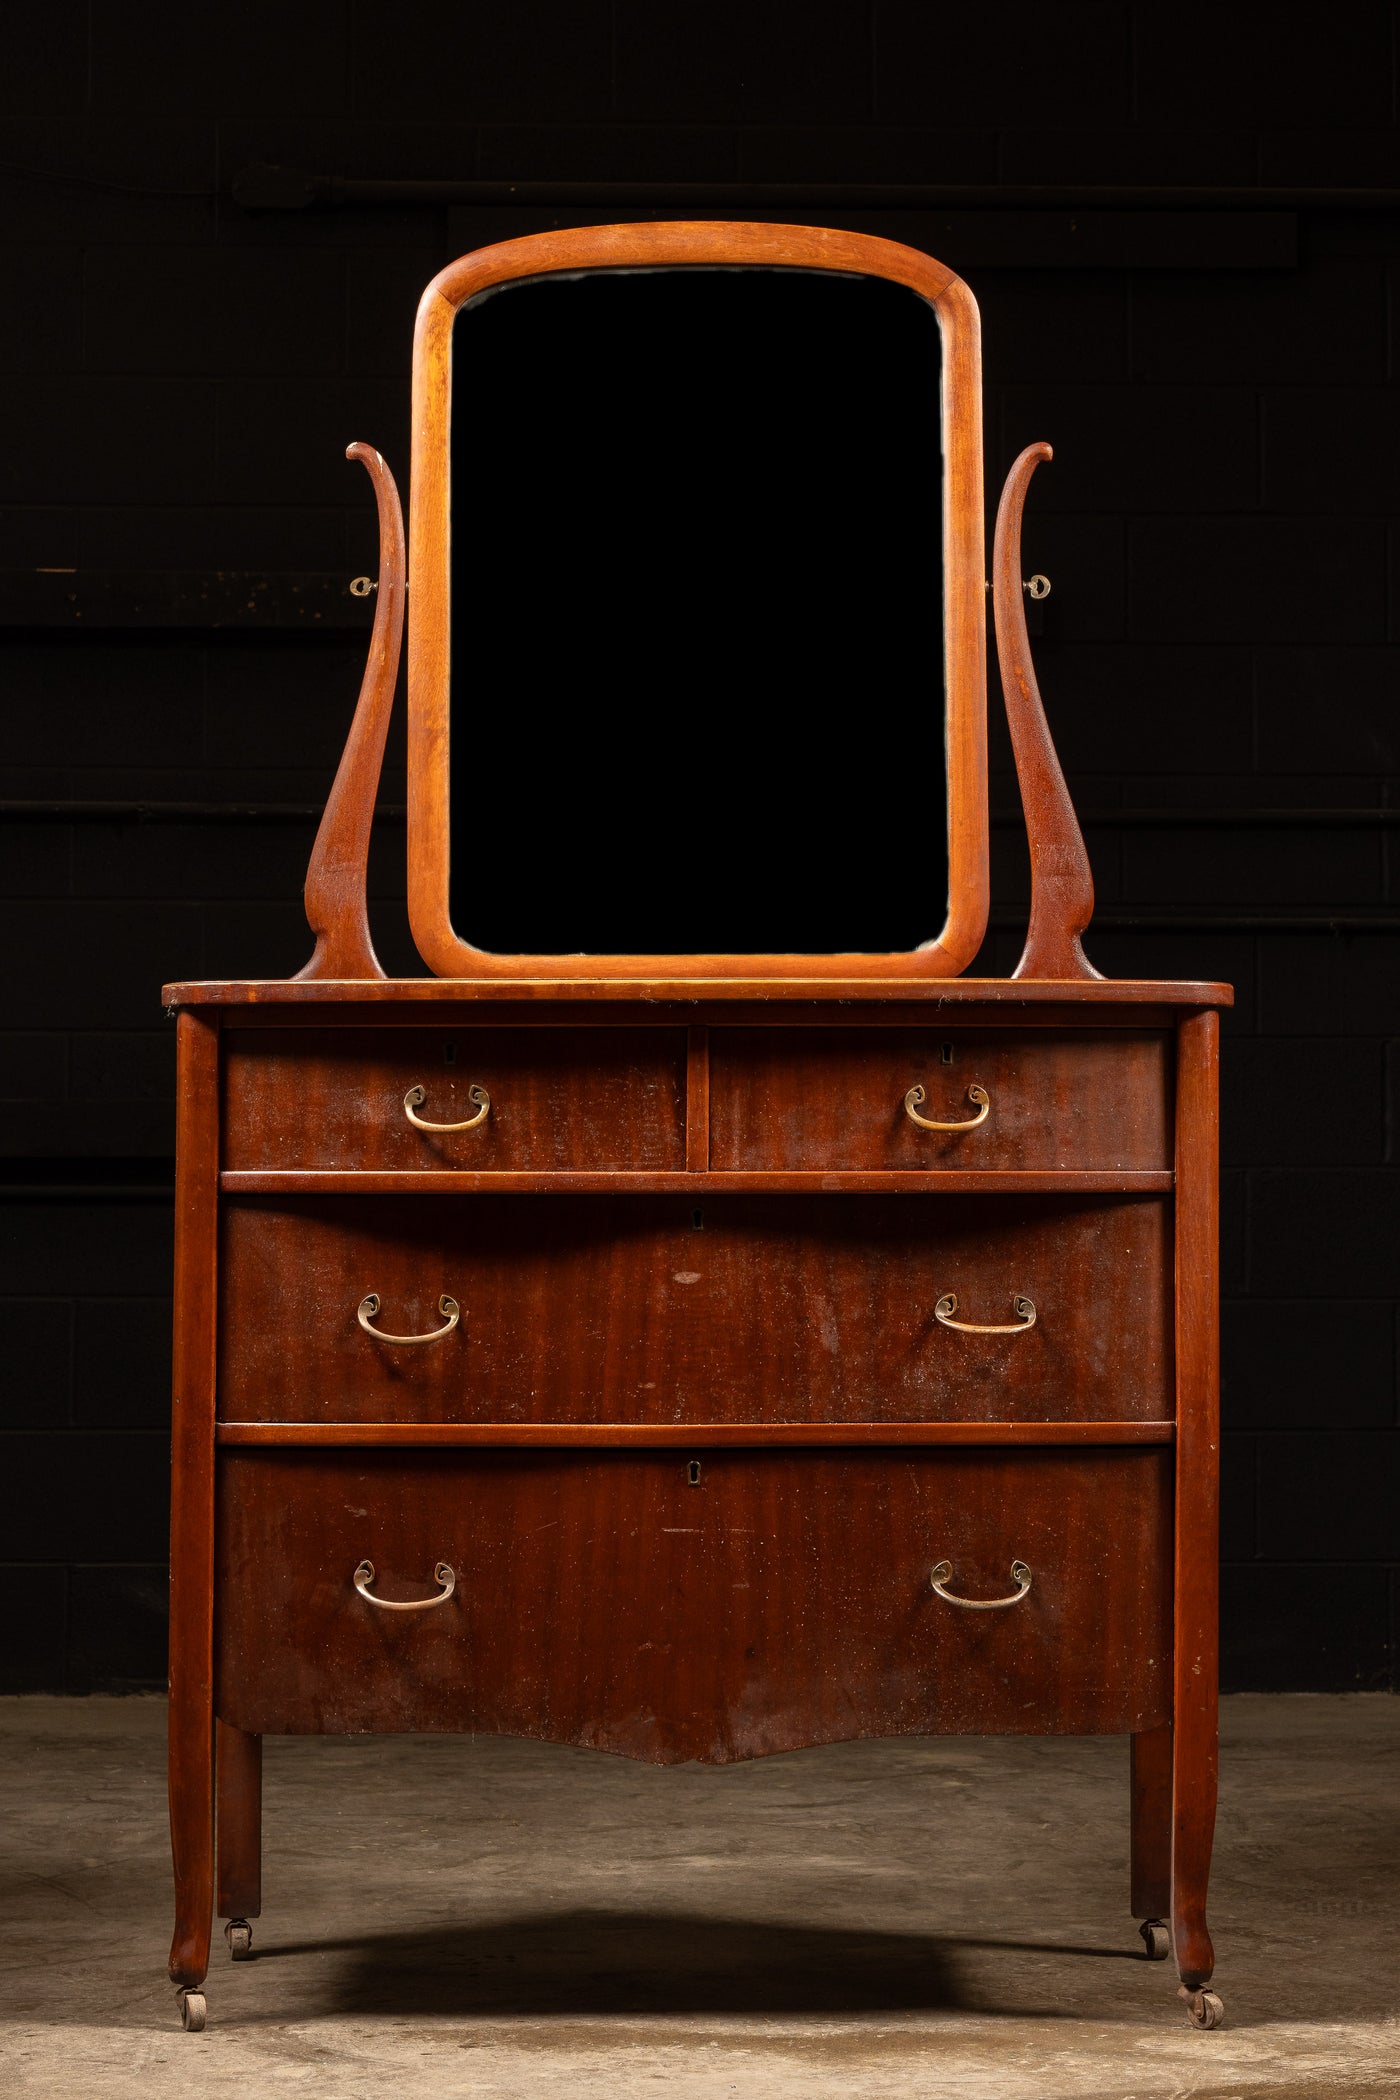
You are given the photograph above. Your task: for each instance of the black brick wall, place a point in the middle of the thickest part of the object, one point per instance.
(181, 378)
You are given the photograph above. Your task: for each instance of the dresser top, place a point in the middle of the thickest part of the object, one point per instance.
(938, 992)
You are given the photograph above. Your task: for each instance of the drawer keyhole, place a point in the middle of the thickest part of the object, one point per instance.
(692, 1473)
(449, 1053)
(947, 1053)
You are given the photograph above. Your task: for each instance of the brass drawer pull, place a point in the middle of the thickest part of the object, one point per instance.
(1020, 1575)
(364, 1576)
(416, 1096)
(369, 1306)
(974, 1093)
(947, 1305)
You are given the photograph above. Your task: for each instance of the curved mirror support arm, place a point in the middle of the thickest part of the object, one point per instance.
(335, 879)
(1062, 886)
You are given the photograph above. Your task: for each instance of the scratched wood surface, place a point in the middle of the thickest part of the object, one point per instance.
(638, 1308)
(834, 1097)
(608, 1098)
(784, 1599)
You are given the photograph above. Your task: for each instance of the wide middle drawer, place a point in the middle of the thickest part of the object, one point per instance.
(486, 1099)
(646, 1308)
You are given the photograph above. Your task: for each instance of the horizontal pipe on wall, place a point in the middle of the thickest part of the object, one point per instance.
(87, 1192)
(1225, 920)
(992, 227)
(264, 186)
(79, 811)
(86, 601)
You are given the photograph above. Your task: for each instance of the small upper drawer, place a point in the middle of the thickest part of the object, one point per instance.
(1028, 1100)
(525, 1099)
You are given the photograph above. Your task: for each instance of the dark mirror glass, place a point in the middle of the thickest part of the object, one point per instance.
(697, 654)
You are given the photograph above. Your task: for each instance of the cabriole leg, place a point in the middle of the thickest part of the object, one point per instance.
(239, 1834)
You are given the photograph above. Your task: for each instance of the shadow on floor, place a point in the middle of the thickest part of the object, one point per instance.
(608, 1963)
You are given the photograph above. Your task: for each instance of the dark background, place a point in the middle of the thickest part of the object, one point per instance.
(181, 376)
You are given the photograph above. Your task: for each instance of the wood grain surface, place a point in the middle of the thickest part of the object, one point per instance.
(191, 1722)
(1197, 1603)
(1062, 885)
(672, 1435)
(605, 1098)
(622, 1181)
(335, 894)
(834, 1098)
(1150, 1789)
(784, 1599)
(637, 1308)
(590, 989)
(238, 1822)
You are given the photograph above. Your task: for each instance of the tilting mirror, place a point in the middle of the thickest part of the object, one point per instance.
(679, 609)
(699, 513)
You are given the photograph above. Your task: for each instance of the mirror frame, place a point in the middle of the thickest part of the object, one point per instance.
(698, 244)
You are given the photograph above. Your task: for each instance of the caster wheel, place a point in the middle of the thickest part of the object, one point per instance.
(1156, 1938)
(192, 2011)
(239, 1934)
(1203, 2008)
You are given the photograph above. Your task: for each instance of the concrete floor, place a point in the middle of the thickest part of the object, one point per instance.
(917, 1918)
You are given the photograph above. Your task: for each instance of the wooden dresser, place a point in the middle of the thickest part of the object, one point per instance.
(696, 1357)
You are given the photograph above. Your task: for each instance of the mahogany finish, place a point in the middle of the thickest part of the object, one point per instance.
(335, 881)
(714, 1435)
(1062, 887)
(884, 999)
(834, 1098)
(1197, 1491)
(782, 1600)
(614, 1099)
(191, 1760)
(689, 1425)
(1151, 1890)
(238, 1822)
(624, 1309)
(447, 1181)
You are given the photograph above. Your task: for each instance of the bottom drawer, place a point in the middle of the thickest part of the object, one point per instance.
(782, 1598)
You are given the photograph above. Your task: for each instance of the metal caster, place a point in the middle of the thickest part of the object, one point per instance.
(1156, 1938)
(192, 2011)
(239, 1934)
(1203, 2008)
